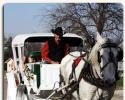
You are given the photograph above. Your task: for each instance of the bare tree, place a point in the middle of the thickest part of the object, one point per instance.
(85, 19)
(7, 47)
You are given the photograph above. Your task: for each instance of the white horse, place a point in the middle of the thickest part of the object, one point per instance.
(102, 62)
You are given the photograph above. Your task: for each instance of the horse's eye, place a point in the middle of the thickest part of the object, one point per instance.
(102, 74)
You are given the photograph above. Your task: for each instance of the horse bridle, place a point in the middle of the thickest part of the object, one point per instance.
(88, 75)
(87, 72)
(111, 55)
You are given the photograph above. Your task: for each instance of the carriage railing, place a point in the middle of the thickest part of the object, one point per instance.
(46, 74)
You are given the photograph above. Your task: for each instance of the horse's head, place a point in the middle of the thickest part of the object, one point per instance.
(104, 59)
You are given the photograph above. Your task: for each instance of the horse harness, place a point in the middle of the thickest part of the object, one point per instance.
(74, 84)
(111, 56)
(87, 72)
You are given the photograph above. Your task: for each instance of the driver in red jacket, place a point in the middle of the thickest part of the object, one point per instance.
(55, 49)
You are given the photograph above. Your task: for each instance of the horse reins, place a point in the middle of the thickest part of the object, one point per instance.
(87, 71)
(88, 75)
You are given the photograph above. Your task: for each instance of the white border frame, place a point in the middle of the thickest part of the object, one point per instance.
(3, 2)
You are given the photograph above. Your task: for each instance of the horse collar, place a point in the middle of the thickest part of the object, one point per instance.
(88, 75)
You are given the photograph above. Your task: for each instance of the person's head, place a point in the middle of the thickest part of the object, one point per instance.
(58, 34)
(31, 59)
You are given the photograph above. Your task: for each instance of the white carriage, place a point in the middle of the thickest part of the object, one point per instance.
(42, 78)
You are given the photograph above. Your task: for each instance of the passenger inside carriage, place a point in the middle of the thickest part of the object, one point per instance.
(54, 49)
(51, 48)
(33, 57)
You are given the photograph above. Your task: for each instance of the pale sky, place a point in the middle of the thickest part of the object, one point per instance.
(24, 18)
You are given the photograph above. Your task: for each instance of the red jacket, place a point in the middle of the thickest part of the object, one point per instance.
(46, 50)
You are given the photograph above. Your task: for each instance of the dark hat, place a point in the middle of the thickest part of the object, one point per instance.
(57, 31)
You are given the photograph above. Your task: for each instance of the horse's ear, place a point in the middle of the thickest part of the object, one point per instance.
(98, 37)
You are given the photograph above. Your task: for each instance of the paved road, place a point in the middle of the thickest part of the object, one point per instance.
(117, 96)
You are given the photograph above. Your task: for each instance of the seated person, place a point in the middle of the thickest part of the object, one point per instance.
(55, 49)
(32, 58)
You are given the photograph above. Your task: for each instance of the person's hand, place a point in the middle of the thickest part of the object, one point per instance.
(54, 62)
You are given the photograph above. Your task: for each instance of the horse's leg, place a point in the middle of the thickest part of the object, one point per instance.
(75, 96)
(108, 94)
(86, 90)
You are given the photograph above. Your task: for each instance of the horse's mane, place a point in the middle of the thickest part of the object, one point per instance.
(93, 57)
